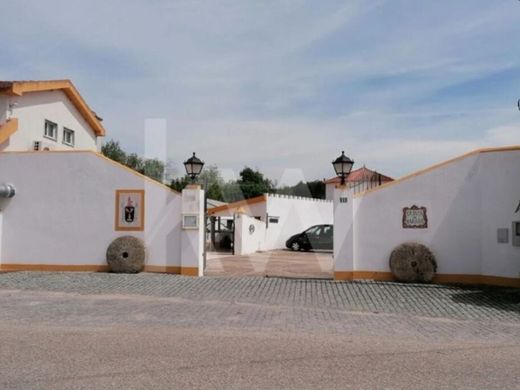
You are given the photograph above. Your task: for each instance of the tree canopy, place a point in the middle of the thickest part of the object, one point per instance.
(152, 168)
(251, 183)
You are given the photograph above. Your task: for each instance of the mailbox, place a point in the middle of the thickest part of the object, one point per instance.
(516, 233)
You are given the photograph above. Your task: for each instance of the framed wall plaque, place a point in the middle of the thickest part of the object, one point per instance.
(129, 210)
(415, 217)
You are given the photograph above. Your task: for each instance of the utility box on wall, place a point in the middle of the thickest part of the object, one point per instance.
(516, 233)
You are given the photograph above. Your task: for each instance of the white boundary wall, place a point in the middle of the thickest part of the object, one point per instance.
(295, 214)
(249, 234)
(64, 211)
(467, 200)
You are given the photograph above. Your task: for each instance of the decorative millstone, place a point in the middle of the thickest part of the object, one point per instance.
(126, 255)
(412, 262)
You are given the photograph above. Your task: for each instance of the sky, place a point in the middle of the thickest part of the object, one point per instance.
(282, 86)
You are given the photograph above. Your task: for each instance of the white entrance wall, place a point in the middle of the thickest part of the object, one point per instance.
(343, 233)
(192, 246)
(467, 200)
(1, 220)
(249, 234)
(63, 214)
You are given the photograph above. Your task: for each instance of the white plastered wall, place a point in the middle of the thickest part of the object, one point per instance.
(33, 108)
(467, 200)
(248, 240)
(192, 244)
(295, 215)
(64, 210)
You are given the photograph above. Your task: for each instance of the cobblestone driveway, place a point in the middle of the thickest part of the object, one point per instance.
(502, 304)
(109, 331)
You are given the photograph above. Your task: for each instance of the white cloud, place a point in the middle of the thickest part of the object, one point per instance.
(279, 85)
(504, 135)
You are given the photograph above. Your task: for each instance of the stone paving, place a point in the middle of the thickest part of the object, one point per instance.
(114, 331)
(453, 302)
(286, 263)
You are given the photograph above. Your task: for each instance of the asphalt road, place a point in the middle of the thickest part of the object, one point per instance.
(65, 340)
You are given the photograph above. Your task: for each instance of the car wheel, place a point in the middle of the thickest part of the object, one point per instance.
(295, 246)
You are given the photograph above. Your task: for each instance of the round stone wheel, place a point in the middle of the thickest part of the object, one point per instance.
(126, 255)
(414, 263)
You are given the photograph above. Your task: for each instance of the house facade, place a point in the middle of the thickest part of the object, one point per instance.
(46, 116)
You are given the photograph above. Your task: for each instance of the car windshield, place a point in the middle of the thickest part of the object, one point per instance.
(312, 230)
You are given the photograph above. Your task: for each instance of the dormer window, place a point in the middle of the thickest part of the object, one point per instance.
(68, 136)
(51, 130)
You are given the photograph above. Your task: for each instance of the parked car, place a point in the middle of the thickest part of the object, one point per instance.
(315, 237)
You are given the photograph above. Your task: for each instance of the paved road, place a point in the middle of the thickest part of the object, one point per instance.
(105, 331)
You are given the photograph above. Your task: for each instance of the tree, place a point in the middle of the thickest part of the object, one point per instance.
(135, 162)
(180, 183)
(317, 189)
(113, 151)
(212, 181)
(209, 178)
(312, 189)
(154, 169)
(253, 183)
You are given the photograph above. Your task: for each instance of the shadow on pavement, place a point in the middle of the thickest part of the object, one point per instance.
(498, 298)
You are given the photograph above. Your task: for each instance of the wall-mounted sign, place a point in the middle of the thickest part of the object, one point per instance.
(190, 221)
(251, 229)
(129, 210)
(415, 217)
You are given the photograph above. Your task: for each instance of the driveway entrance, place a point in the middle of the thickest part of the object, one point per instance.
(283, 263)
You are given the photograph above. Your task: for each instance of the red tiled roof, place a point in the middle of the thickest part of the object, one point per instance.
(360, 174)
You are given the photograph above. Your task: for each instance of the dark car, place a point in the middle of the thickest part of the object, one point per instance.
(315, 237)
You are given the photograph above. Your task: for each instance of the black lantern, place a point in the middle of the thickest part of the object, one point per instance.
(193, 167)
(343, 165)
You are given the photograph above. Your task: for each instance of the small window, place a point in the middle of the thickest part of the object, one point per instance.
(51, 130)
(68, 136)
(327, 230)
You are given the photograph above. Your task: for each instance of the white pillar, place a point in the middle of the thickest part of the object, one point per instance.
(1, 218)
(343, 234)
(192, 233)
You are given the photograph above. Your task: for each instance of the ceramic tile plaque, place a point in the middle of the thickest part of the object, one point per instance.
(129, 210)
(415, 218)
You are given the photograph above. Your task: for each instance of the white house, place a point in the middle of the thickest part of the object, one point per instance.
(46, 115)
(280, 215)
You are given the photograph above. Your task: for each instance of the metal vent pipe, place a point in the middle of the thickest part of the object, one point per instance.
(7, 190)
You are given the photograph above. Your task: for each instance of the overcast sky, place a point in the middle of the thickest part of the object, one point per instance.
(283, 86)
